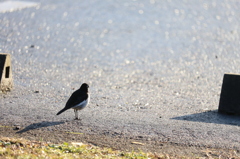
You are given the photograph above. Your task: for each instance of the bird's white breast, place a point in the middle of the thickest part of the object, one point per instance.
(83, 104)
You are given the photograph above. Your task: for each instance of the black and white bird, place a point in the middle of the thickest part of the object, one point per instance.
(78, 100)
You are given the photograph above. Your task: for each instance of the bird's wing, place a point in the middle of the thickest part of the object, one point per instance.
(76, 98)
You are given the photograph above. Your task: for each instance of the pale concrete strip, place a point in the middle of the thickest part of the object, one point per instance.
(10, 6)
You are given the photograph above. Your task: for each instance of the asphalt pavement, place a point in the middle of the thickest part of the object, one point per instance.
(155, 68)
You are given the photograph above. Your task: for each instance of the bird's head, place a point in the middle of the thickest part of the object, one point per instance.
(84, 87)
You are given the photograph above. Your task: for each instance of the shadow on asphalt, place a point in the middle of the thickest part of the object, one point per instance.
(39, 125)
(211, 116)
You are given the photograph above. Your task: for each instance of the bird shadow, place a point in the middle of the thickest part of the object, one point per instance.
(212, 116)
(39, 125)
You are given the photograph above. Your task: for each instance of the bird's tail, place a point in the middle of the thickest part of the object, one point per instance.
(61, 111)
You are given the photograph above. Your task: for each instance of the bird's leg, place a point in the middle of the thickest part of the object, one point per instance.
(75, 111)
(76, 114)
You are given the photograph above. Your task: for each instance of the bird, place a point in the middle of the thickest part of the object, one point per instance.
(78, 100)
